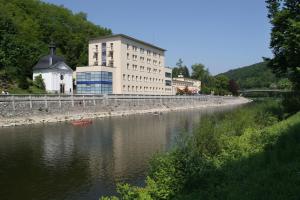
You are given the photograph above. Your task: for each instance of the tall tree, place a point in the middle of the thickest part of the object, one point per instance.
(199, 72)
(233, 87)
(285, 38)
(181, 69)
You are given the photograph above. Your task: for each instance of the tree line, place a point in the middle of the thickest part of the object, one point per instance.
(219, 85)
(26, 29)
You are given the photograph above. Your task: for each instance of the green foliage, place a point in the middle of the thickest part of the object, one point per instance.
(233, 87)
(27, 28)
(23, 83)
(284, 84)
(253, 76)
(247, 149)
(39, 82)
(291, 102)
(284, 16)
(199, 72)
(180, 70)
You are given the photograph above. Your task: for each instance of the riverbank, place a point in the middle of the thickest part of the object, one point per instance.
(253, 148)
(91, 114)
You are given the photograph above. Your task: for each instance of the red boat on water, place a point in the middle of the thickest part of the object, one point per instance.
(82, 122)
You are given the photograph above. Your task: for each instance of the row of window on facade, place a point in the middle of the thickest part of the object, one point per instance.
(140, 78)
(94, 88)
(144, 89)
(142, 59)
(142, 51)
(94, 76)
(104, 46)
(142, 69)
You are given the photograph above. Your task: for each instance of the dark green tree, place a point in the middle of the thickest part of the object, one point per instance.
(39, 82)
(233, 87)
(284, 16)
(180, 69)
(199, 72)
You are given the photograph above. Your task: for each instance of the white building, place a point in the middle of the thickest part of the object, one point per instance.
(120, 64)
(57, 75)
(180, 83)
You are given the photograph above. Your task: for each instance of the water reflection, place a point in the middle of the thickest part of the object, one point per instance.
(60, 161)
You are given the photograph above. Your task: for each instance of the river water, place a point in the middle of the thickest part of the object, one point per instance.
(61, 161)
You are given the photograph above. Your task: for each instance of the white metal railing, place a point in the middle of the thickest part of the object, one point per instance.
(77, 97)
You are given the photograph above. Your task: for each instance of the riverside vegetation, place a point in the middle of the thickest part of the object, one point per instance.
(252, 152)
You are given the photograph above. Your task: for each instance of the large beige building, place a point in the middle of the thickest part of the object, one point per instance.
(120, 64)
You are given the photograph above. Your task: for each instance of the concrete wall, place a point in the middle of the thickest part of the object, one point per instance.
(19, 106)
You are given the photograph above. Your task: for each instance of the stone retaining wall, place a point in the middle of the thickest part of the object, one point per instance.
(23, 106)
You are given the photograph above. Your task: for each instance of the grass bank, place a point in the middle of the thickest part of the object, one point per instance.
(250, 153)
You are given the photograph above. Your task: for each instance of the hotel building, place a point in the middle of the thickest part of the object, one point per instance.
(120, 64)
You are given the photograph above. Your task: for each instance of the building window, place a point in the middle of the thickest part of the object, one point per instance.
(142, 50)
(168, 83)
(94, 82)
(124, 87)
(128, 57)
(124, 77)
(168, 75)
(134, 57)
(148, 53)
(128, 77)
(148, 60)
(128, 46)
(128, 66)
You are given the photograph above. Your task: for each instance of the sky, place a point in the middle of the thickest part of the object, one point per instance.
(221, 34)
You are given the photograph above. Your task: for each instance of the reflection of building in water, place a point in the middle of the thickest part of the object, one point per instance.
(58, 146)
(134, 144)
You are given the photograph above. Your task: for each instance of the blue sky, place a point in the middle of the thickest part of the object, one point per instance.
(220, 34)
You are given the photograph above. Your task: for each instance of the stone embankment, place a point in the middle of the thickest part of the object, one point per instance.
(31, 109)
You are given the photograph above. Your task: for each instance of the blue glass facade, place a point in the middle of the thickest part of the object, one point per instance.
(94, 82)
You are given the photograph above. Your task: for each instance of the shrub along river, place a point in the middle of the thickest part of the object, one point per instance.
(61, 161)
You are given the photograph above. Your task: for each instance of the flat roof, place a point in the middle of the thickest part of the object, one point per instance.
(127, 37)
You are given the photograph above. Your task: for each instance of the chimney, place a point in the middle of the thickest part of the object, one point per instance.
(52, 49)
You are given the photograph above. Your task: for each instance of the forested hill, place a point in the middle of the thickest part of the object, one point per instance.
(28, 26)
(253, 76)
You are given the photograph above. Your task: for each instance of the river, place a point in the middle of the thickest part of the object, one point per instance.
(61, 161)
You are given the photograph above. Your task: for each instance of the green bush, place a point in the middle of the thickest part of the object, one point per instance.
(39, 82)
(291, 102)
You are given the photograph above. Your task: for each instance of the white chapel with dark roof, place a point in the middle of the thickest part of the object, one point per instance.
(57, 75)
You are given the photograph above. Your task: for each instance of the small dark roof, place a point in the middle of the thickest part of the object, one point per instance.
(44, 62)
(127, 37)
(57, 61)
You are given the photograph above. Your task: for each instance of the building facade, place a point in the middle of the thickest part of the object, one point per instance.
(120, 64)
(180, 83)
(56, 74)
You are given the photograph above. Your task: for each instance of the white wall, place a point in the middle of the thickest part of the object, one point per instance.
(52, 80)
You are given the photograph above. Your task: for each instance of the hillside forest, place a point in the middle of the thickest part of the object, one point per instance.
(27, 27)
